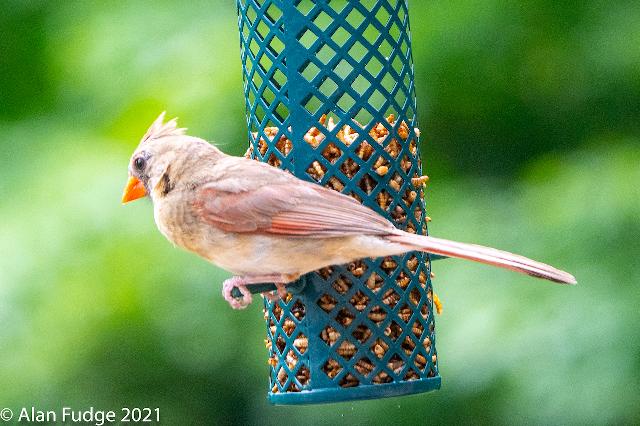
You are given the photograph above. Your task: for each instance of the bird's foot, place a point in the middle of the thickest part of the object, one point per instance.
(281, 293)
(270, 296)
(240, 284)
(281, 290)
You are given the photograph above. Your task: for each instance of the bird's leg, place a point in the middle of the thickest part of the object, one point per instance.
(280, 281)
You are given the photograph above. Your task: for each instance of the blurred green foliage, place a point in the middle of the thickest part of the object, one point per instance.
(531, 116)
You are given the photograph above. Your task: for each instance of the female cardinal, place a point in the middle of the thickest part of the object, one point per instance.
(265, 225)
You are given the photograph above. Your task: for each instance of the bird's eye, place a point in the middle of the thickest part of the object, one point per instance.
(139, 163)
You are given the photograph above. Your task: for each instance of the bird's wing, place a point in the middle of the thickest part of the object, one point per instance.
(248, 196)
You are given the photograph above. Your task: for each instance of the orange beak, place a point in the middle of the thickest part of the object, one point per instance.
(133, 190)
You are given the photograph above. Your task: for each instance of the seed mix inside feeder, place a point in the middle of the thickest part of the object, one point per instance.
(330, 98)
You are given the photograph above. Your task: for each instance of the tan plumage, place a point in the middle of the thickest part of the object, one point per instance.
(265, 225)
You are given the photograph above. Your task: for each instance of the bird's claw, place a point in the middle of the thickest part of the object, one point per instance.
(239, 283)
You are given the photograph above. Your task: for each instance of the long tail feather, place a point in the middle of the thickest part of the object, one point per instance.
(482, 254)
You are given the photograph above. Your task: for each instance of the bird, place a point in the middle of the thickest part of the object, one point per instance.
(265, 225)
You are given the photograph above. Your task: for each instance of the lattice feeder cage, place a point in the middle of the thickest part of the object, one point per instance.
(329, 89)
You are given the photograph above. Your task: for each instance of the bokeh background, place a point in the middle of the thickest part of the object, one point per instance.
(531, 122)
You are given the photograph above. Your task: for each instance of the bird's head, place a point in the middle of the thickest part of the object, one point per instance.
(164, 152)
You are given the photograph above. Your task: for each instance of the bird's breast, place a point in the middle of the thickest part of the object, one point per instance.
(177, 221)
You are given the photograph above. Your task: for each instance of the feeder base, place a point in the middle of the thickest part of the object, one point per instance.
(329, 395)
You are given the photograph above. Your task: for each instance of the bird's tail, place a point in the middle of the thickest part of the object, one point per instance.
(490, 256)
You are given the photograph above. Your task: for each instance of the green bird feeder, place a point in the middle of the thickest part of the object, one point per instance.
(330, 97)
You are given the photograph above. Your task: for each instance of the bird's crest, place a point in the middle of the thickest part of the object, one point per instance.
(159, 129)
